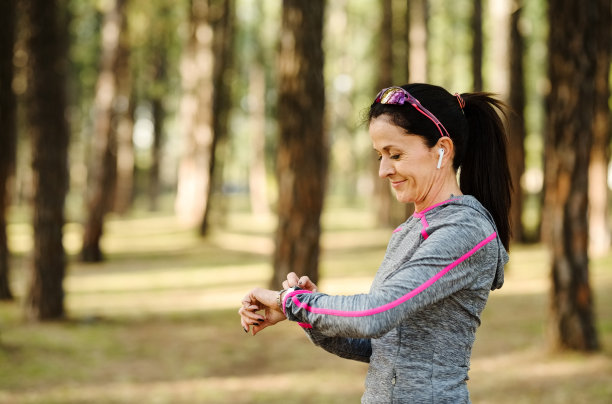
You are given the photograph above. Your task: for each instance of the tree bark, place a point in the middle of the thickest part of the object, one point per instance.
(499, 10)
(258, 183)
(302, 150)
(222, 22)
(159, 114)
(418, 41)
(400, 26)
(570, 112)
(8, 132)
(516, 124)
(383, 196)
(160, 45)
(50, 133)
(599, 220)
(124, 110)
(109, 108)
(196, 117)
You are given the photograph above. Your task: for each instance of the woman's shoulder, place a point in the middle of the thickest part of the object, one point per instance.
(464, 212)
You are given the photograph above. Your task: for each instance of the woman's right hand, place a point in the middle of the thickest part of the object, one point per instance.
(303, 282)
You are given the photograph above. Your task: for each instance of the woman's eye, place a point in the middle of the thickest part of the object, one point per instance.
(395, 156)
(379, 157)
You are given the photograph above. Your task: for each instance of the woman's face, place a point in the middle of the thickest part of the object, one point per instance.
(405, 160)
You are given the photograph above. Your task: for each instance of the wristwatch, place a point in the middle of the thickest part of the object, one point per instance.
(279, 302)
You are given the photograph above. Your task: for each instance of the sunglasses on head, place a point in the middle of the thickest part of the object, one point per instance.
(399, 96)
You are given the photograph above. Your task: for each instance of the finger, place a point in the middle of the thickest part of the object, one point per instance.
(292, 279)
(246, 301)
(305, 283)
(245, 326)
(243, 323)
(252, 316)
(259, 327)
(286, 285)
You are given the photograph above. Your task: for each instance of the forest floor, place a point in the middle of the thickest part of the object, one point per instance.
(157, 323)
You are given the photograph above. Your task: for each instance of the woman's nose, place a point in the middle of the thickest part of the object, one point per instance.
(385, 168)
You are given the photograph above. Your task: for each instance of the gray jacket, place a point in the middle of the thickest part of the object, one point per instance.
(416, 326)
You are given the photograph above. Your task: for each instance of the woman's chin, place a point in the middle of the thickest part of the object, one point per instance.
(403, 198)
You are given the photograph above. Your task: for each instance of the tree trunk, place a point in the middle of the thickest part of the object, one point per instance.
(50, 134)
(109, 107)
(570, 112)
(382, 193)
(516, 124)
(196, 117)
(8, 132)
(159, 115)
(477, 45)
(160, 44)
(418, 41)
(393, 70)
(124, 110)
(258, 183)
(599, 221)
(222, 22)
(400, 26)
(499, 10)
(258, 178)
(302, 150)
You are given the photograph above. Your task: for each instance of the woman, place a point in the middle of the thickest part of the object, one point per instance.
(416, 326)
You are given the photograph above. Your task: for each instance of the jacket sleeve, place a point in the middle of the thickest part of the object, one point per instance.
(447, 261)
(359, 349)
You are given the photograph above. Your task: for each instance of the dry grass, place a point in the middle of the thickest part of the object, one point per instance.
(157, 323)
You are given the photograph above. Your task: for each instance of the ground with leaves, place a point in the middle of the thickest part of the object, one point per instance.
(157, 323)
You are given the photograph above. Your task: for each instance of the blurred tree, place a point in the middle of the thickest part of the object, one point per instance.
(418, 40)
(158, 112)
(124, 117)
(196, 116)
(46, 110)
(155, 28)
(222, 23)
(110, 105)
(160, 35)
(572, 62)
(400, 28)
(599, 221)
(499, 11)
(302, 150)
(382, 192)
(394, 48)
(258, 183)
(477, 45)
(8, 132)
(516, 123)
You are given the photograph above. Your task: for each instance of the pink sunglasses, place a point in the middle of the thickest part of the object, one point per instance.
(399, 96)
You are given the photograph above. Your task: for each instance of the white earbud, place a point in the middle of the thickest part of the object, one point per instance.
(441, 153)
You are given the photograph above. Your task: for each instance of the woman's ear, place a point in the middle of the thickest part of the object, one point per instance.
(444, 150)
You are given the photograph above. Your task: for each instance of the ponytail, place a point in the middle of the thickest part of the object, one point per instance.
(484, 167)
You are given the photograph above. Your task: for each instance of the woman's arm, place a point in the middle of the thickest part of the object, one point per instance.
(359, 349)
(449, 260)
(349, 348)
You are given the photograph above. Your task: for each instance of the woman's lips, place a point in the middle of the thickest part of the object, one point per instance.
(396, 184)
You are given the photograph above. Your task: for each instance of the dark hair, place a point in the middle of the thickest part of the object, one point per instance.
(478, 136)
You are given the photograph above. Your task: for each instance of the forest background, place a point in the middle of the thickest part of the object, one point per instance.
(147, 151)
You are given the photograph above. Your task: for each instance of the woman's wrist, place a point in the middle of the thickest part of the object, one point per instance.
(280, 298)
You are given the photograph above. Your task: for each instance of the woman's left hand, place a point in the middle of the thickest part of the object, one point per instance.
(260, 299)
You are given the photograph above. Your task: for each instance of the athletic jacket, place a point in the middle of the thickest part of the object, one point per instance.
(417, 324)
